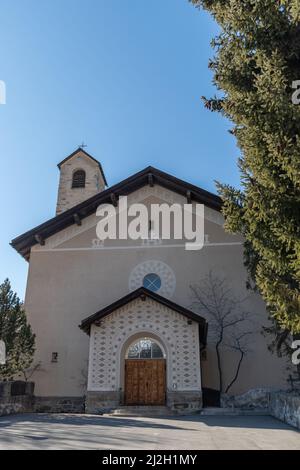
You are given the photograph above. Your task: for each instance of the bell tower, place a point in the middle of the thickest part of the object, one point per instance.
(81, 177)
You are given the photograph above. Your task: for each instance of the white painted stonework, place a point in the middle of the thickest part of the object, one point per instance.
(178, 336)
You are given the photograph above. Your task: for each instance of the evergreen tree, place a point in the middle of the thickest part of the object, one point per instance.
(256, 66)
(15, 332)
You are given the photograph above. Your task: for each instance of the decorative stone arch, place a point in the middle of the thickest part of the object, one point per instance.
(134, 336)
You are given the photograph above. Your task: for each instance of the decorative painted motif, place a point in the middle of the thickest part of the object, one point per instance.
(165, 273)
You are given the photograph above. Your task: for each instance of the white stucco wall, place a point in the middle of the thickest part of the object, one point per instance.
(179, 338)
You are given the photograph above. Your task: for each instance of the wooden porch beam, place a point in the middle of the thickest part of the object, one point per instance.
(189, 197)
(114, 199)
(77, 219)
(39, 239)
(150, 180)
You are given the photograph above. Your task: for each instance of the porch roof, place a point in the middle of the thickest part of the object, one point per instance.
(144, 293)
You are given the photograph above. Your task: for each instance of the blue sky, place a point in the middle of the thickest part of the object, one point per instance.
(124, 76)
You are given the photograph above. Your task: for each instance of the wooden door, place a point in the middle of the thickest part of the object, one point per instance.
(145, 381)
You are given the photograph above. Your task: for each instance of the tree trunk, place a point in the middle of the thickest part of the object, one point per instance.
(236, 373)
(219, 366)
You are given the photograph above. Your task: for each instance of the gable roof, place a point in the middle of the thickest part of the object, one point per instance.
(148, 176)
(143, 293)
(87, 155)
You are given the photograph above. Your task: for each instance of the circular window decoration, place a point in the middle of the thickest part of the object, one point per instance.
(152, 282)
(153, 275)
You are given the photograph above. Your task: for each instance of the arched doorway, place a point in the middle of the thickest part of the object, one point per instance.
(145, 373)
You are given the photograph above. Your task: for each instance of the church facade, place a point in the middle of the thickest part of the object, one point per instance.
(113, 319)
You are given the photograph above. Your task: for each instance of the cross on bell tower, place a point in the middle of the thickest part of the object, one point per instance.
(82, 145)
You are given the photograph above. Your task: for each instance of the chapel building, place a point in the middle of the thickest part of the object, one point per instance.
(114, 320)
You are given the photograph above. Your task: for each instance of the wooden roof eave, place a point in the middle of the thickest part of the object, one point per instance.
(24, 242)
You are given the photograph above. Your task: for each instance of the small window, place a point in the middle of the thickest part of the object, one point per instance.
(78, 180)
(152, 282)
(54, 357)
(145, 348)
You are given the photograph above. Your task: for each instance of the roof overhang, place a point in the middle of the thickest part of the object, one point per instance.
(143, 294)
(148, 176)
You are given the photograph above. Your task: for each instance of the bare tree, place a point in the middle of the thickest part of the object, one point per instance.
(239, 344)
(83, 376)
(28, 373)
(229, 326)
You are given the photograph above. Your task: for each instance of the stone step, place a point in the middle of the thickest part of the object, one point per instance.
(151, 411)
(211, 411)
(147, 411)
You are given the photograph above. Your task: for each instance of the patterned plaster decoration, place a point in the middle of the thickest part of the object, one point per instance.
(166, 274)
(179, 339)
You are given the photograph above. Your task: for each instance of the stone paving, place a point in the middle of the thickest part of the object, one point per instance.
(65, 431)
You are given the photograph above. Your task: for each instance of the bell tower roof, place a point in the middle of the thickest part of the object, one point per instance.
(82, 151)
(80, 177)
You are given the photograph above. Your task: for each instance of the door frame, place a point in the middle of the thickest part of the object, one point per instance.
(165, 381)
(122, 356)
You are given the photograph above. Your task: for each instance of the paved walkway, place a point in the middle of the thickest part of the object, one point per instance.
(61, 431)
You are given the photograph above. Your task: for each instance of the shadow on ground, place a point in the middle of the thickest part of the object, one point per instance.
(164, 422)
(86, 420)
(71, 431)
